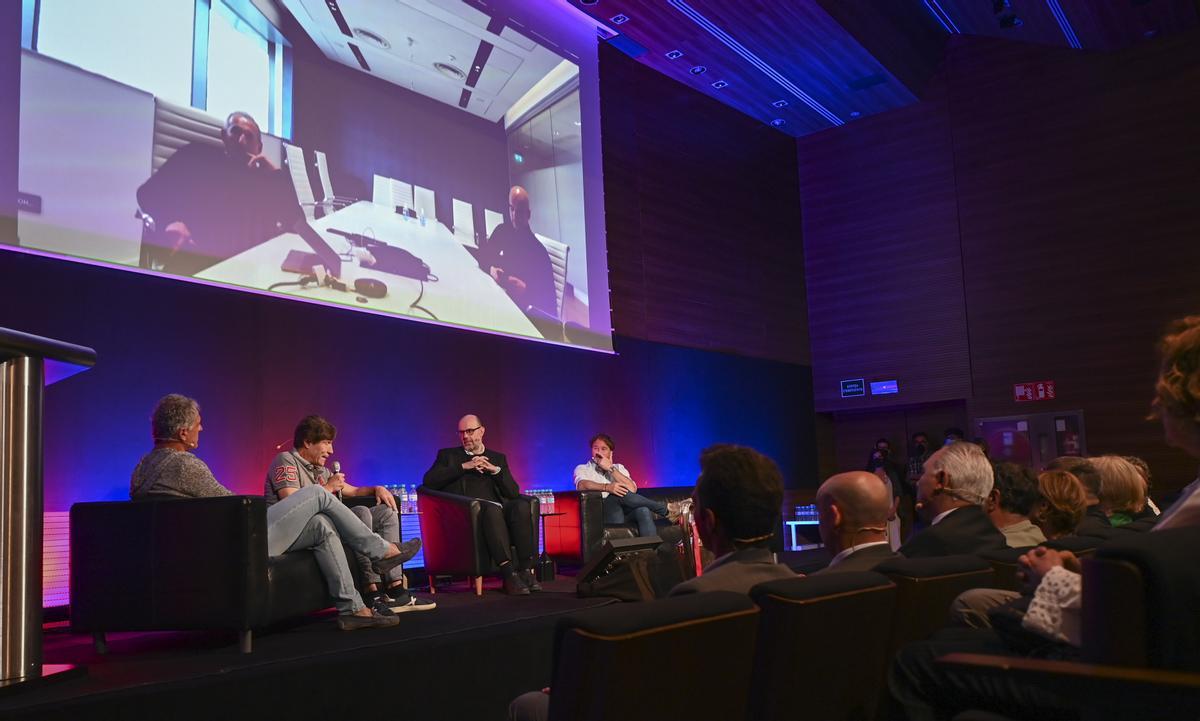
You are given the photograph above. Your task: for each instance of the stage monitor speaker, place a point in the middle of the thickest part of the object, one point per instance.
(612, 552)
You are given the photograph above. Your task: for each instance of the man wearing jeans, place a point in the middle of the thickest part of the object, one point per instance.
(304, 466)
(622, 502)
(310, 518)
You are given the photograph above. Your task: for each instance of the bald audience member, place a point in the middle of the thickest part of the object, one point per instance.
(505, 518)
(518, 261)
(853, 510)
(737, 499)
(950, 495)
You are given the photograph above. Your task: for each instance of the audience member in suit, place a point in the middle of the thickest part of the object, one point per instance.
(853, 510)
(929, 691)
(506, 519)
(1061, 504)
(1013, 498)
(737, 500)
(950, 494)
(736, 506)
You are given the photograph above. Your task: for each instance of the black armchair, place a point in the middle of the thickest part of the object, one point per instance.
(452, 539)
(184, 564)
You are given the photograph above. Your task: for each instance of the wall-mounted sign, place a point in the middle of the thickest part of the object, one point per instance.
(854, 388)
(884, 388)
(1036, 391)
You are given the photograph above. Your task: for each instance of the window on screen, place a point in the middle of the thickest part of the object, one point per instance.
(146, 44)
(239, 67)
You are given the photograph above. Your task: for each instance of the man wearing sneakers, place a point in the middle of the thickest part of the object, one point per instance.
(308, 519)
(304, 466)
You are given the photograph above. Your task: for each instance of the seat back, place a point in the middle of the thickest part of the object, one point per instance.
(847, 617)
(294, 159)
(402, 194)
(1004, 566)
(558, 252)
(323, 175)
(464, 222)
(491, 219)
(610, 661)
(450, 535)
(925, 588)
(1140, 596)
(177, 125)
(423, 200)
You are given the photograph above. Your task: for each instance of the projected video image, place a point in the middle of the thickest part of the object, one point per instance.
(418, 158)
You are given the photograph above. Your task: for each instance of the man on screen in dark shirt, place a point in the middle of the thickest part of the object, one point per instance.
(210, 203)
(518, 261)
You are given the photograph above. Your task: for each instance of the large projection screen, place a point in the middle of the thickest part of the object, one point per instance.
(433, 160)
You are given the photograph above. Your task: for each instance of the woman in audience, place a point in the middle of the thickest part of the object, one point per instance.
(1062, 504)
(1122, 490)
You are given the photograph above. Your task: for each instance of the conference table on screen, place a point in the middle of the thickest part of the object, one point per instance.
(462, 293)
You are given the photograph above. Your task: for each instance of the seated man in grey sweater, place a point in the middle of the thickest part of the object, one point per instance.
(308, 519)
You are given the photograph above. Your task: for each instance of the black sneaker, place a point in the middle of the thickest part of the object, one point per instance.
(529, 578)
(350, 622)
(381, 604)
(401, 601)
(514, 585)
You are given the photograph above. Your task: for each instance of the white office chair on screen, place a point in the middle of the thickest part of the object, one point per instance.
(334, 202)
(464, 223)
(423, 202)
(491, 219)
(558, 252)
(294, 159)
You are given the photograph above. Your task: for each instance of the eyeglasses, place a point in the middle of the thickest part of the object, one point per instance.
(469, 431)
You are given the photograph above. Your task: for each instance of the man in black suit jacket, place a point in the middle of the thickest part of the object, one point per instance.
(853, 510)
(950, 494)
(472, 470)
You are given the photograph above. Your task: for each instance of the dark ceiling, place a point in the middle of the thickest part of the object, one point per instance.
(807, 65)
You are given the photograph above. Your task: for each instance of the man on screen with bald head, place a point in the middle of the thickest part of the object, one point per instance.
(518, 261)
(853, 510)
(505, 518)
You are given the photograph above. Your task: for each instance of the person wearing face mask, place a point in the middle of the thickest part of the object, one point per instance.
(622, 502)
(890, 473)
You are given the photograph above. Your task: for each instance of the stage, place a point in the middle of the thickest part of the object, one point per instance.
(466, 659)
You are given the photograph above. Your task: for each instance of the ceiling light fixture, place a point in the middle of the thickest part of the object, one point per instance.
(674, 54)
(619, 19)
(939, 13)
(728, 41)
(720, 84)
(698, 70)
(370, 37)
(450, 71)
(1064, 24)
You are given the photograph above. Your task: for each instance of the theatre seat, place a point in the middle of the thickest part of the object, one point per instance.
(925, 588)
(687, 657)
(1140, 632)
(451, 538)
(176, 564)
(846, 619)
(577, 535)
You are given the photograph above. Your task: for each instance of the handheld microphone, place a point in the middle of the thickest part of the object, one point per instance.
(337, 467)
(284, 444)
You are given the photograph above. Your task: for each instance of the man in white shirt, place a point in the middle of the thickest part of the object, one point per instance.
(622, 502)
(853, 510)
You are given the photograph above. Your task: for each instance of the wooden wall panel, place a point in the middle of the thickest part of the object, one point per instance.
(1078, 180)
(882, 256)
(703, 223)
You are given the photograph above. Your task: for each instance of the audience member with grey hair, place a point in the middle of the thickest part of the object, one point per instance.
(310, 518)
(950, 494)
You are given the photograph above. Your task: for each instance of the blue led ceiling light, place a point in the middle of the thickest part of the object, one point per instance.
(939, 13)
(698, 70)
(779, 104)
(720, 84)
(725, 39)
(1064, 24)
(619, 19)
(779, 122)
(674, 54)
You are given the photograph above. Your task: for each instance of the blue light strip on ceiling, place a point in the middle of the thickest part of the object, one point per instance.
(1061, 16)
(754, 60)
(939, 13)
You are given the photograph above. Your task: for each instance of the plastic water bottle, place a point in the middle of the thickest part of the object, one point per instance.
(421, 216)
(412, 499)
(403, 498)
(550, 498)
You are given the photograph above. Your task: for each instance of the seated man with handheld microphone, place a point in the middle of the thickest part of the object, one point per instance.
(303, 466)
